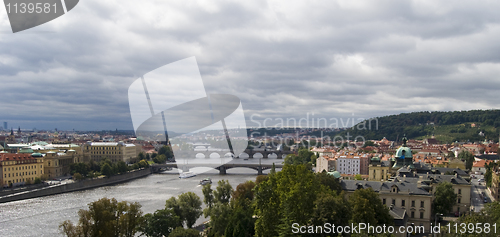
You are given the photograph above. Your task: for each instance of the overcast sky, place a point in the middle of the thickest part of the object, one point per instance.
(283, 59)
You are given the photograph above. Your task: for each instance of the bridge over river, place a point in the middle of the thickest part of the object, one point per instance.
(226, 164)
(248, 153)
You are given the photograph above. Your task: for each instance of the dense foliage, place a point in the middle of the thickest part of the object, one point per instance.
(444, 198)
(446, 126)
(108, 217)
(105, 167)
(267, 207)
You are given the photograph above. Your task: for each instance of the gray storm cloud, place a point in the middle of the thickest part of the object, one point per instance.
(282, 59)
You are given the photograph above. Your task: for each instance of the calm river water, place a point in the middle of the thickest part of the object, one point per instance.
(42, 216)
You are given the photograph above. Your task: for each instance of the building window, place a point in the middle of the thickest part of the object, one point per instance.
(412, 214)
(421, 215)
(422, 204)
(413, 203)
(383, 201)
(459, 200)
(459, 191)
(403, 203)
(394, 202)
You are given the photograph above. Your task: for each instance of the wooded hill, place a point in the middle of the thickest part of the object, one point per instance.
(473, 125)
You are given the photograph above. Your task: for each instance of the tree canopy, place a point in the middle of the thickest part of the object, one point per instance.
(444, 198)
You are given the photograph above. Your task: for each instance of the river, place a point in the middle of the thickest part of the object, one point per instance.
(42, 216)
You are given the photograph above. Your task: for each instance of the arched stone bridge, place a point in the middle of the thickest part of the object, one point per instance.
(250, 152)
(222, 169)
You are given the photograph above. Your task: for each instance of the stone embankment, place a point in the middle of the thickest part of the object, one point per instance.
(75, 186)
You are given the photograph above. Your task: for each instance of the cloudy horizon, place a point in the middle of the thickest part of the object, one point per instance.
(334, 59)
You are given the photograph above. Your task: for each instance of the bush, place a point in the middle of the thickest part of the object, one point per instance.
(77, 176)
(37, 180)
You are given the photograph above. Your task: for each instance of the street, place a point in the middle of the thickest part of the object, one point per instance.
(477, 193)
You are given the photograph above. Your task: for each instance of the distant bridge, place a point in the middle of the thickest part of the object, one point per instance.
(155, 168)
(250, 152)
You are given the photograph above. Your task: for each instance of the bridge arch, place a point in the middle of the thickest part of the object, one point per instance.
(214, 155)
(243, 155)
(258, 155)
(272, 155)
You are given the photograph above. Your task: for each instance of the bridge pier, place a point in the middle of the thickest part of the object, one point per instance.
(259, 170)
(222, 170)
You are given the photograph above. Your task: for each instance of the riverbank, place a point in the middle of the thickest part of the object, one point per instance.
(76, 186)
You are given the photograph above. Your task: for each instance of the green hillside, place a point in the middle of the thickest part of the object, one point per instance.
(446, 126)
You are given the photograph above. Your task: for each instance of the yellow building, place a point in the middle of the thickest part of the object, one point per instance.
(57, 164)
(461, 187)
(495, 183)
(412, 197)
(115, 151)
(378, 170)
(70, 149)
(16, 169)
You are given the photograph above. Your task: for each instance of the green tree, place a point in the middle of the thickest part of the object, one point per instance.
(106, 169)
(444, 198)
(358, 177)
(143, 164)
(141, 156)
(77, 176)
(121, 167)
(244, 191)
(330, 207)
(161, 223)
(329, 181)
(223, 191)
(304, 156)
(187, 207)
(366, 207)
(81, 168)
(167, 151)
(160, 159)
(219, 216)
(240, 222)
(105, 217)
(208, 196)
(218, 208)
(468, 158)
(181, 232)
(287, 197)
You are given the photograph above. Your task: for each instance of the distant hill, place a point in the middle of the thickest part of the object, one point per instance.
(446, 126)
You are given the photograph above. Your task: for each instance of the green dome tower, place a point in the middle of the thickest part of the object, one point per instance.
(404, 157)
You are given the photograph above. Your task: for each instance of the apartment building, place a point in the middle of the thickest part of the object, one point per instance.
(16, 169)
(325, 163)
(412, 197)
(115, 151)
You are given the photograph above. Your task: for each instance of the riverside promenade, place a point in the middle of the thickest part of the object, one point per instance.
(76, 186)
